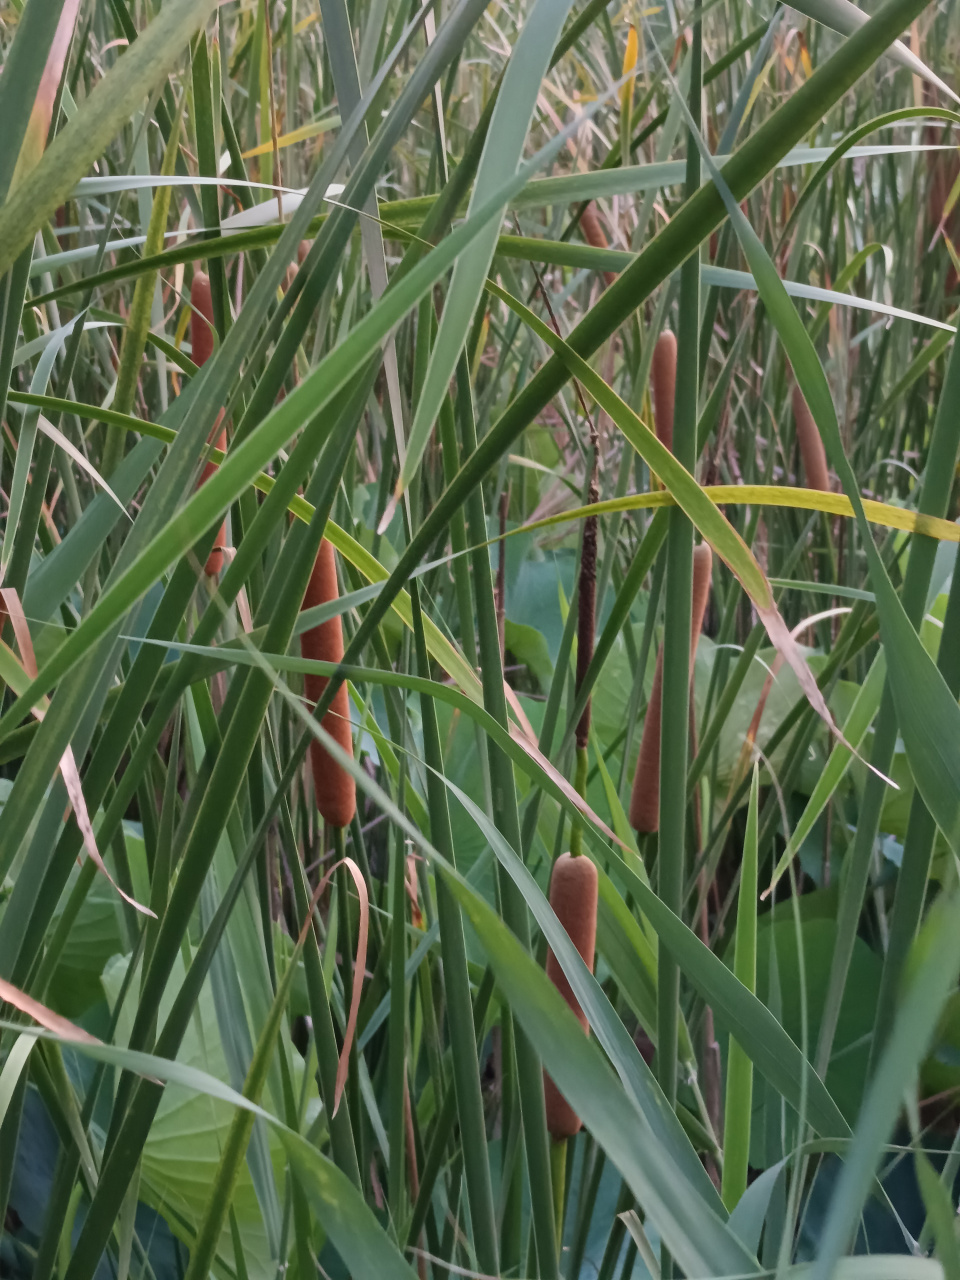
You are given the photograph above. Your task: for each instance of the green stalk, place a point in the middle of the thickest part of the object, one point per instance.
(397, 1023)
(674, 732)
(739, 1100)
(558, 1179)
(580, 783)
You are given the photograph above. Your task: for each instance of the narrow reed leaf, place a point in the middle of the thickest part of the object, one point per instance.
(738, 1108)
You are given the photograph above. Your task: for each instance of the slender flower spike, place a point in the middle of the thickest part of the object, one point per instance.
(573, 896)
(335, 789)
(594, 236)
(645, 798)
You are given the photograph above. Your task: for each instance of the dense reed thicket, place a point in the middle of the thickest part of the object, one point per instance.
(479, 747)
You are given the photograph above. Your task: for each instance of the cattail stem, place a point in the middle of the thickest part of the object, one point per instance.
(580, 782)
(558, 1176)
(586, 635)
(500, 596)
(586, 612)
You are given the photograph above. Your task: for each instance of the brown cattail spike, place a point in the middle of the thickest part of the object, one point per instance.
(573, 896)
(201, 319)
(201, 344)
(593, 234)
(645, 797)
(812, 452)
(663, 381)
(702, 574)
(335, 789)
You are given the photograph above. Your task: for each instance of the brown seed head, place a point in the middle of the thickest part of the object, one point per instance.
(593, 234)
(663, 381)
(702, 576)
(201, 319)
(335, 789)
(645, 796)
(815, 470)
(573, 896)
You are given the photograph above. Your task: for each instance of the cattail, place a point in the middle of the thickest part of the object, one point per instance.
(201, 344)
(663, 380)
(587, 602)
(645, 797)
(335, 789)
(811, 444)
(702, 576)
(303, 248)
(593, 234)
(573, 896)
